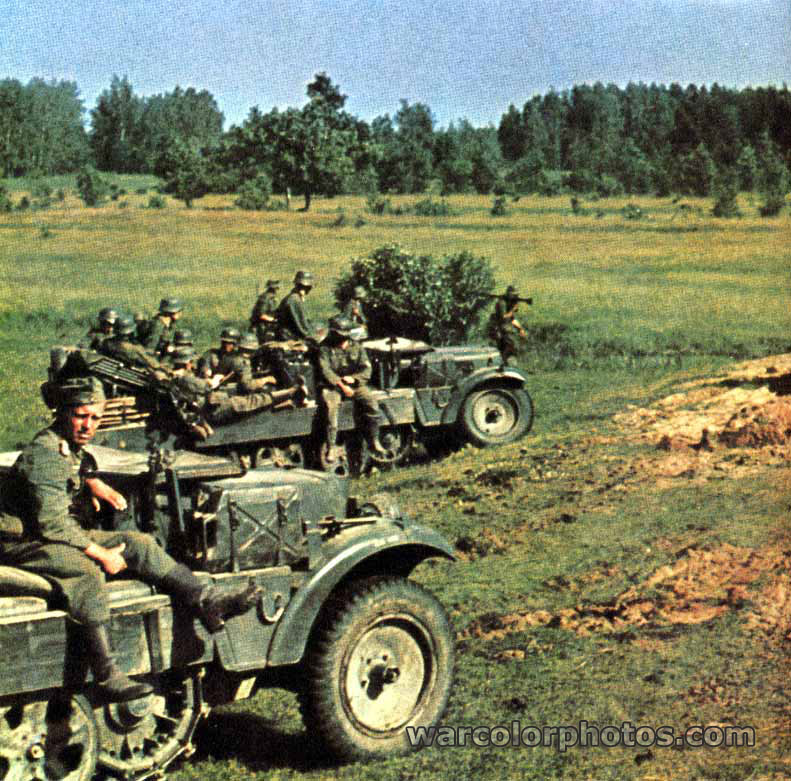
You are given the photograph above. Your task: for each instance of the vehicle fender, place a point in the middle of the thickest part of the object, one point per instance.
(391, 550)
(508, 376)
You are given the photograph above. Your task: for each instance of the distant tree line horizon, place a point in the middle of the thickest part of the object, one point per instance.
(597, 138)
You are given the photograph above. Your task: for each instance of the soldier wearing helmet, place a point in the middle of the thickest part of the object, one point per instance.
(503, 327)
(122, 347)
(49, 502)
(158, 335)
(101, 330)
(219, 360)
(263, 318)
(292, 320)
(354, 306)
(344, 371)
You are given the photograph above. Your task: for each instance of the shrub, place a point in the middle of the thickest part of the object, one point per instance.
(254, 194)
(24, 204)
(5, 202)
(439, 300)
(550, 182)
(91, 187)
(156, 202)
(376, 203)
(773, 205)
(498, 207)
(61, 195)
(428, 207)
(576, 206)
(726, 191)
(141, 190)
(607, 186)
(40, 189)
(632, 212)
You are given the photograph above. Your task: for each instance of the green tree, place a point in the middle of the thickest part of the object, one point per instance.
(91, 186)
(747, 168)
(696, 172)
(187, 176)
(116, 129)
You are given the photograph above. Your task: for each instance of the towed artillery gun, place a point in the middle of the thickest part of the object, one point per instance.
(428, 395)
(369, 652)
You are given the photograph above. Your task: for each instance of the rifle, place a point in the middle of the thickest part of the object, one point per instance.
(527, 301)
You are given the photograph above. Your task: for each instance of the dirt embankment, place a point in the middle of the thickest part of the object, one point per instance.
(733, 424)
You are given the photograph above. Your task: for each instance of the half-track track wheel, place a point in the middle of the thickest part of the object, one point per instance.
(50, 738)
(139, 739)
(382, 661)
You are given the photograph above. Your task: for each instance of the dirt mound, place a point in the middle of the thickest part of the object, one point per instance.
(699, 586)
(748, 407)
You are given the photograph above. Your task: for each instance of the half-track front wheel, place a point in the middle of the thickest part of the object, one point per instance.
(382, 662)
(50, 739)
(495, 416)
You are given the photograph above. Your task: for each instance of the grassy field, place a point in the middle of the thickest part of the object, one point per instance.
(561, 522)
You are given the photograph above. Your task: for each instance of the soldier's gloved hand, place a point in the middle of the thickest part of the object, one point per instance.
(111, 559)
(101, 491)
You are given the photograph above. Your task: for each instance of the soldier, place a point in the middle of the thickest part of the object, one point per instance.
(49, 502)
(292, 321)
(159, 333)
(263, 318)
(344, 371)
(181, 338)
(219, 360)
(122, 348)
(102, 330)
(503, 325)
(354, 307)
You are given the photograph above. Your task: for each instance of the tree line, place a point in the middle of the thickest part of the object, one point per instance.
(591, 138)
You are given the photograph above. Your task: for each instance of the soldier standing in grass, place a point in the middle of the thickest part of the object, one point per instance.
(292, 320)
(344, 371)
(263, 318)
(503, 326)
(49, 504)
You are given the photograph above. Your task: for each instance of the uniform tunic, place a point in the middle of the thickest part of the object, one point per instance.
(292, 320)
(130, 353)
(45, 494)
(336, 363)
(265, 330)
(502, 330)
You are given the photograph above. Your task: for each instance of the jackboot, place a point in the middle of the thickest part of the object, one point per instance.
(372, 427)
(214, 606)
(332, 435)
(111, 683)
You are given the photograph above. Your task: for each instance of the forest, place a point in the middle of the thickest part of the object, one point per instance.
(601, 139)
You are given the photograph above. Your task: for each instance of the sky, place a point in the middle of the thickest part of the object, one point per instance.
(465, 59)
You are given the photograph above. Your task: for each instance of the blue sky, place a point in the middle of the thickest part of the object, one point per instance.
(463, 58)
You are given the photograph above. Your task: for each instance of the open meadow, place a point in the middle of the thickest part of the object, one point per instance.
(600, 578)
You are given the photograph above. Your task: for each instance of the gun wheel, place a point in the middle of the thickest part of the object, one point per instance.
(382, 663)
(142, 737)
(49, 740)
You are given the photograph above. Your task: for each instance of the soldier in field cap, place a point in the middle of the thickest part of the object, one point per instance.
(263, 318)
(48, 516)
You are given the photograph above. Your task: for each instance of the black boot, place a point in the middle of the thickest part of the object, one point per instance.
(212, 605)
(111, 683)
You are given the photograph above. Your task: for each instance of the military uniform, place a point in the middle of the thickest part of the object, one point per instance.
(47, 517)
(502, 329)
(159, 335)
(130, 353)
(336, 363)
(94, 339)
(266, 304)
(292, 320)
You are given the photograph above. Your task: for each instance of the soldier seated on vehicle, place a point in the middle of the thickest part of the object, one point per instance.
(219, 360)
(121, 347)
(503, 326)
(103, 329)
(292, 320)
(157, 336)
(263, 318)
(48, 506)
(344, 371)
(181, 338)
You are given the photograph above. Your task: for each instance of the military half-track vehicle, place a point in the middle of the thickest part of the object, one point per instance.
(428, 395)
(369, 652)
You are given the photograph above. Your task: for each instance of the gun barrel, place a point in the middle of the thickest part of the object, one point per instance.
(510, 298)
